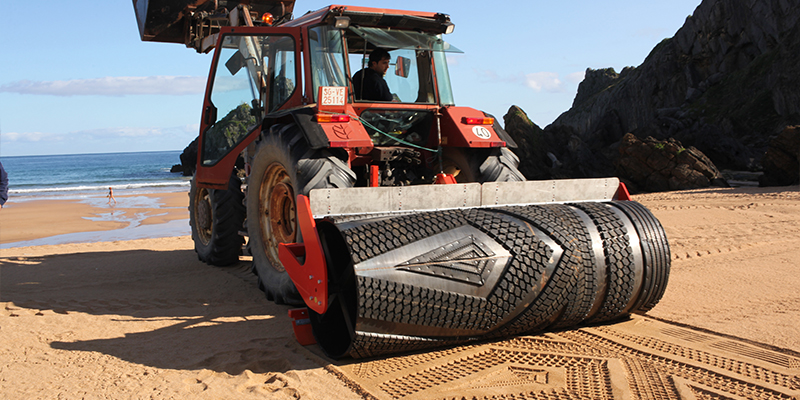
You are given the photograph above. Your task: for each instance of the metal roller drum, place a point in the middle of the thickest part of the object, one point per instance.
(403, 282)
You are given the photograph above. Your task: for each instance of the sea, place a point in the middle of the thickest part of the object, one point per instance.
(78, 176)
(86, 178)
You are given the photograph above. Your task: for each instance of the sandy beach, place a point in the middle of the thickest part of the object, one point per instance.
(145, 319)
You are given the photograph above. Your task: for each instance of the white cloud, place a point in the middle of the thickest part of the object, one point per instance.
(547, 81)
(104, 134)
(30, 137)
(111, 86)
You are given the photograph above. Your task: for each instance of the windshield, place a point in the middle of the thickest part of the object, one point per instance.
(394, 39)
(416, 71)
(327, 57)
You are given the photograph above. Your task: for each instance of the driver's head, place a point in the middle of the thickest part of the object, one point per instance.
(379, 60)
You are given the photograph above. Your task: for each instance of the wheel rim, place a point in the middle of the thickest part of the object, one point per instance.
(277, 212)
(203, 215)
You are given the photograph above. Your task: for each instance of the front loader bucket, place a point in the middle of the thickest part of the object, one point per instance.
(171, 21)
(406, 280)
(164, 20)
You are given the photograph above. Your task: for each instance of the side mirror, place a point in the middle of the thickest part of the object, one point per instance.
(235, 63)
(402, 66)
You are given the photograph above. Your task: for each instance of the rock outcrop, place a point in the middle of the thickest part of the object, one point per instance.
(189, 158)
(726, 83)
(782, 161)
(556, 154)
(655, 166)
(648, 165)
(531, 146)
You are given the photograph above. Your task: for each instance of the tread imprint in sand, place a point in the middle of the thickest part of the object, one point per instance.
(659, 361)
(714, 360)
(662, 364)
(586, 374)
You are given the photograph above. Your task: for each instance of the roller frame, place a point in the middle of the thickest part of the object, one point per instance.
(305, 262)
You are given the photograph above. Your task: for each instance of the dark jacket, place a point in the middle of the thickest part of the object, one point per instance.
(3, 185)
(374, 87)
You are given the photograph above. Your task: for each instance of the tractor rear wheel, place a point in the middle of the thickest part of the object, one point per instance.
(216, 216)
(478, 165)
(283, 167)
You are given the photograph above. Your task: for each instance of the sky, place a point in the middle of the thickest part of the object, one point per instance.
(75, 77)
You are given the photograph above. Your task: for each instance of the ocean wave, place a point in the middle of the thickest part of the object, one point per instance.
(94, 188)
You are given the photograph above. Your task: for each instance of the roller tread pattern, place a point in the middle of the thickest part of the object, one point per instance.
(524, 270)
(579, 245)
(534, 291)
(370, 240)
(619, 262)
(406, 304)
(371, 345)
(556, 303)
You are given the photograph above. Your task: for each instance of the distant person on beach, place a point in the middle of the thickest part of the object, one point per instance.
(3, 186)
(111, 196)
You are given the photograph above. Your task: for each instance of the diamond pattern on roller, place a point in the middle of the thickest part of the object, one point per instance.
(465, 260)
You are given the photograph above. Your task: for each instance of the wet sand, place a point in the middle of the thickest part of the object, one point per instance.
(41, 221)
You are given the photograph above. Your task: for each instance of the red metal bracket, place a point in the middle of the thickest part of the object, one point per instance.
(446, 179)
(622, 193)
(310, 275)
(301, 324)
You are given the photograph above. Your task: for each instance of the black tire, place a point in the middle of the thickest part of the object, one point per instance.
(478, 165)
(655, 250)
(619, 270)
(216, 216)
(283, 167)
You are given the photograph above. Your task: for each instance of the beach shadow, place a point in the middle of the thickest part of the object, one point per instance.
(163, 309)
(259, 346)
(137, 283)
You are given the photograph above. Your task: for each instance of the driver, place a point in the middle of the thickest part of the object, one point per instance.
(368, 83)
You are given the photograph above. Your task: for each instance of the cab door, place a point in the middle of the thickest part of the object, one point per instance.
(255, 71)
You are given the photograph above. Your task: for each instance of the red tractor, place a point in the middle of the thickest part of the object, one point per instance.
(401, 223)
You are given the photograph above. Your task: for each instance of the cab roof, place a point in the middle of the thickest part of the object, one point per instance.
(376, 17)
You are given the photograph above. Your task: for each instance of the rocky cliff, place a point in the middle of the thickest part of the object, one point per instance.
(726, 83)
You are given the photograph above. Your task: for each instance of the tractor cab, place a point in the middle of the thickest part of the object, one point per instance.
(261, 76)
